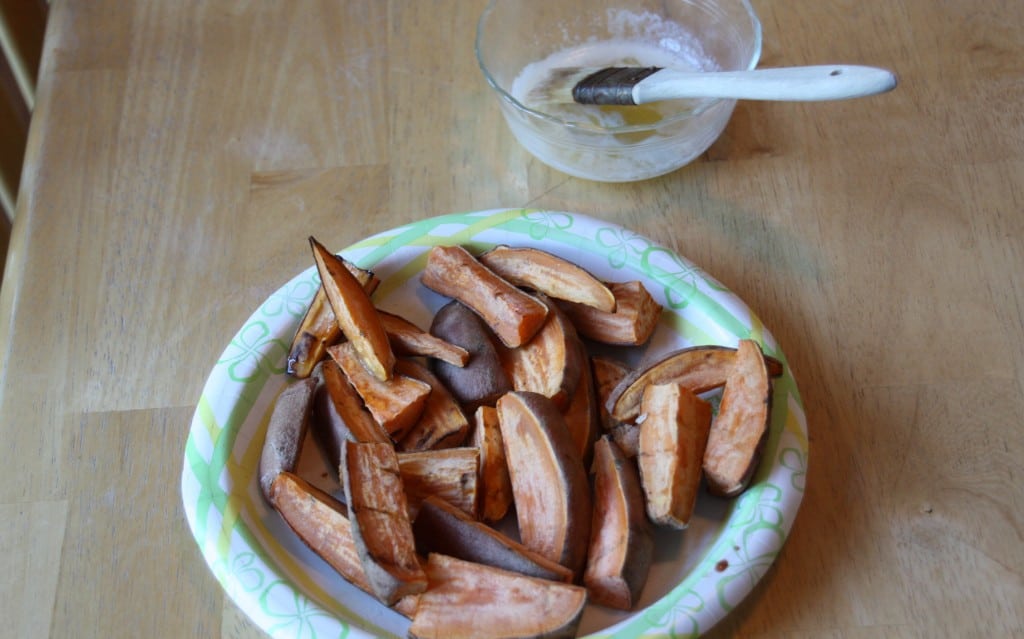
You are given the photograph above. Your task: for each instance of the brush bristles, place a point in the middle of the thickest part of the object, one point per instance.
(609, 86)
(613, 85)
(558, 86)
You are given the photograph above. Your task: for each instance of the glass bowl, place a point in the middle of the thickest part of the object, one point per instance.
(519, 41)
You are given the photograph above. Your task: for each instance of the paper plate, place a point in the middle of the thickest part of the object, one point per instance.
(698, 575)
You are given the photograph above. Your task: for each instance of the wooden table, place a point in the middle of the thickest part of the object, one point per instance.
(181, 153)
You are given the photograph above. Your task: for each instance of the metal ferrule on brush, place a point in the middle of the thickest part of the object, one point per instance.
(613, 85)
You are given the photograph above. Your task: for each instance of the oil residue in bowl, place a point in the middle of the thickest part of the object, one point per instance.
(601, 54)
(613, 143)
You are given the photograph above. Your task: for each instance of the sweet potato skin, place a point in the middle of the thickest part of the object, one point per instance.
(286, 431)
(483, 379)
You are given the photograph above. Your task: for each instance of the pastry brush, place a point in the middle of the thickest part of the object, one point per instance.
(643, 85)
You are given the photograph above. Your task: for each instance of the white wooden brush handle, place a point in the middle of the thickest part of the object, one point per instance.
(824, 82)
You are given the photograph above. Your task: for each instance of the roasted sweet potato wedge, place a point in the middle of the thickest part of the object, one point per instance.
(349, 406)
(326, 426)
(339, 415)
(549, 274)
(621, 546)
(483, 379)
(321, 522)
(550, 363)
(741, 427)
(395, 404)
(443, 528)
(608, 374)
(411, 340)
(512, 314)
(442, 424)
(494, 484)
(633, 322)
(549, 483)
(450, 473)
(286, 431)
(466, 600)
(699, 368)
(379, 514)
(319, 328)
(582, 415)
(354, 312)
(673, 436)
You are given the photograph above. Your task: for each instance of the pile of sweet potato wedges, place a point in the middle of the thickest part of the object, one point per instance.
(499, 412)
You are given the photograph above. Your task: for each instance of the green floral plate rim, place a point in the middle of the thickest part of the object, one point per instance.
(699, 575)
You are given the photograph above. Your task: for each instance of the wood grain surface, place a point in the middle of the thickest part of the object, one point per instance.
(180, 154)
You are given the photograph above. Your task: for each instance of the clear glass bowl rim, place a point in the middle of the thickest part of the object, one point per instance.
(703, 106)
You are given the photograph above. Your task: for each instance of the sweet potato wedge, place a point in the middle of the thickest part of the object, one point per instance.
(349, 406)
(466, 600)
(550, 363)
(699, 368)
(410, 340)
(673, 437)
(632, 323)
(451, 474)
(549, 274)
(582, 415)
(621, 546)
(379, 514)
(443, 528)
(395, 404)
(512, 314)
(549, 483)
(326, 426)
(608, 374)
(483, 379)
(494, 484)
(741, 427)
(321, 523)
(339, 415)
(442, 424)
(286, 431)
(355, 313)
(319, 328)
